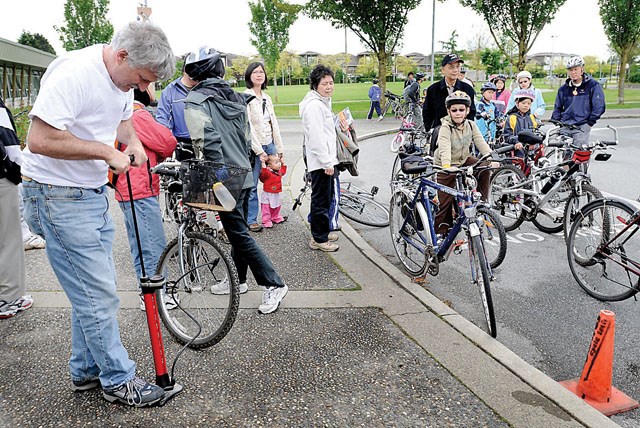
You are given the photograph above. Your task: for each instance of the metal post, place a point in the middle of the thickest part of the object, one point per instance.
(433, 40)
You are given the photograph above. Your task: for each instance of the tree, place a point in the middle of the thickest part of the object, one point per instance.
(621, 20)
(379, 25)
(36, 40)
(519, 20)
(87, 24)
(237, 69)
(337, 63)
(404, 65)
(269, 25)
(289, 65)
(451, 45)
(367, 67)
(493, 60)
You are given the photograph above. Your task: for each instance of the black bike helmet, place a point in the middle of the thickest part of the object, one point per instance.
(497, 77)
(420, 75)
(458, 97)
(489, 86)
(203, 64)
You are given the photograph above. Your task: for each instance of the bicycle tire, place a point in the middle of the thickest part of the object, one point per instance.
(550, 217)
(210, 265)
(484, 286)
(362, 209)
(576, 201)
(494, 231)
(508, 207)
(395, 169)
(603, 277)
(397, 142)
(413, 258)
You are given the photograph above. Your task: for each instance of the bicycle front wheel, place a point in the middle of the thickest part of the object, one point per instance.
(409, 234)
(363, 209)
(578, 199)
(550, 216)
(494, 236)
(505, 198)
(482, 278)
(202, 318)
(598, 268)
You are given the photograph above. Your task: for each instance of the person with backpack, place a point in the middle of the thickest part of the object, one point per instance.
(520, 118)
(411, 96)
(455, 138)
(217, 119)
(374, 95)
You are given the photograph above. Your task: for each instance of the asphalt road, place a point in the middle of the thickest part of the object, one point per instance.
(542, 314)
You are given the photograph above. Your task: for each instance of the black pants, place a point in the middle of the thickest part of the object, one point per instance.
(245, 251)
(321, 194)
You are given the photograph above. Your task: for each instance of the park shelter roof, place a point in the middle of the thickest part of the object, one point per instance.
(12, 52)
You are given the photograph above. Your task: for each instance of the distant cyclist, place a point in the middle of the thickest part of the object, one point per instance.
(434, 108)
(411, 96)
(580, 101)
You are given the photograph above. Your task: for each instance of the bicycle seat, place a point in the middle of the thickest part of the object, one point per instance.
(415, 164)
(529, 137)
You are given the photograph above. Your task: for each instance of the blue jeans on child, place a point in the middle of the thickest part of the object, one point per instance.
(152, 239)
(254, 203)
(79, 232)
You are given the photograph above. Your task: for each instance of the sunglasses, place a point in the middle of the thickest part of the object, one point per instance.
(456, 110)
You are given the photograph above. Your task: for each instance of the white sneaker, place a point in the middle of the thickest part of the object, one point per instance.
(169, 303)
(223, 287)
(33, 242)
(333, 237)
(271, 299)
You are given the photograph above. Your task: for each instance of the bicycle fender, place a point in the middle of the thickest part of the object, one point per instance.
(474, 230)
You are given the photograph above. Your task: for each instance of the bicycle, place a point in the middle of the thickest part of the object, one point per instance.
(194, 261)
(394, 103)
(412, 225)
(355, 203)
(603, 249)
(407, 127)
(551, 194)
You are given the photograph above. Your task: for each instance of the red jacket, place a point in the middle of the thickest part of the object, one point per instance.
(272, 179)
(159, 143)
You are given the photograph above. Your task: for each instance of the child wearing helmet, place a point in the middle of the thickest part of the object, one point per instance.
(502, 93)
(486, 112)
(520, 118)
(524, 82)
(455, 138)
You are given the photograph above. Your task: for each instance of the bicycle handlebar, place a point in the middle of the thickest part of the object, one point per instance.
(166, 168)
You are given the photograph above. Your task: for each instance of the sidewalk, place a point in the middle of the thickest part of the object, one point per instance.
(355, 343)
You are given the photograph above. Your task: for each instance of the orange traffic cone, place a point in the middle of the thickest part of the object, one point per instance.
(594, 385)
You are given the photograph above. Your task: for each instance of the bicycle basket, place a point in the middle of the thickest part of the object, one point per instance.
(198, 177)
(581, 156)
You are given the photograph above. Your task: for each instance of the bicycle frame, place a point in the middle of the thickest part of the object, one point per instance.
(604, 250)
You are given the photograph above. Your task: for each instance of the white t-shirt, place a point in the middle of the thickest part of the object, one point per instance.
(78, 95)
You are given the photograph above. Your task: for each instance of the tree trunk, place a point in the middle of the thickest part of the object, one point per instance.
(382, 74)
(624, 58)
(522, 55)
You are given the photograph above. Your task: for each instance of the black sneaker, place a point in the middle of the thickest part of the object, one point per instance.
(136, 393)
(85, 385)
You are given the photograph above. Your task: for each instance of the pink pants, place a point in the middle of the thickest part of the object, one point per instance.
(270, 215)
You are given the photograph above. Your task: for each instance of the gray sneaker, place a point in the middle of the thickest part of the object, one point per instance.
(136, 393)
(222, 287)
(85, 385)
(323, 246)
(271, 299)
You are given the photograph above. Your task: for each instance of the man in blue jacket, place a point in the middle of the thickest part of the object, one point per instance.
(374, 95)
(580, 101)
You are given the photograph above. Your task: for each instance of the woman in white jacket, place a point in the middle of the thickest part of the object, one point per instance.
(320, 150)
(265, 134)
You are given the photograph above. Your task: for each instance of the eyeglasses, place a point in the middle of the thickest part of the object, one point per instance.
(456, 110)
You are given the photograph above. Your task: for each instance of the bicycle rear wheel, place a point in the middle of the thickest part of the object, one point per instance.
(203, 318)
(482, 277)
(578, 199)
(600, 271)
(363, 209)
(397, 142)
(409, 238)
(495, 237)
(505, 202)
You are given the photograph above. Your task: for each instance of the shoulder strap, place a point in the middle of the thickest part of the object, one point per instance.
(533, 120)
(512, 122)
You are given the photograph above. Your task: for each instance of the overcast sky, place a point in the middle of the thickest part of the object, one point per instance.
(223, 24)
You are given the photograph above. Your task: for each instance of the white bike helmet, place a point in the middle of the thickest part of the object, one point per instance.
(523, 74)
(575, 61)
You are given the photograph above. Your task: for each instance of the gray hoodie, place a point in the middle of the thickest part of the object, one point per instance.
(319, 131)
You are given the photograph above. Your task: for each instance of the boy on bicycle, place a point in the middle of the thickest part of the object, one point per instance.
(457, 133)
(520, 118)
(486, 112)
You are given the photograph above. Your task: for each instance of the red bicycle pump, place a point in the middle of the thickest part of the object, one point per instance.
(149, 286)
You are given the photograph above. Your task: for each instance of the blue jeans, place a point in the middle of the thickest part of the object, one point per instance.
(245, 251)
(152, 239)
(254, 203)
(79, 232)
